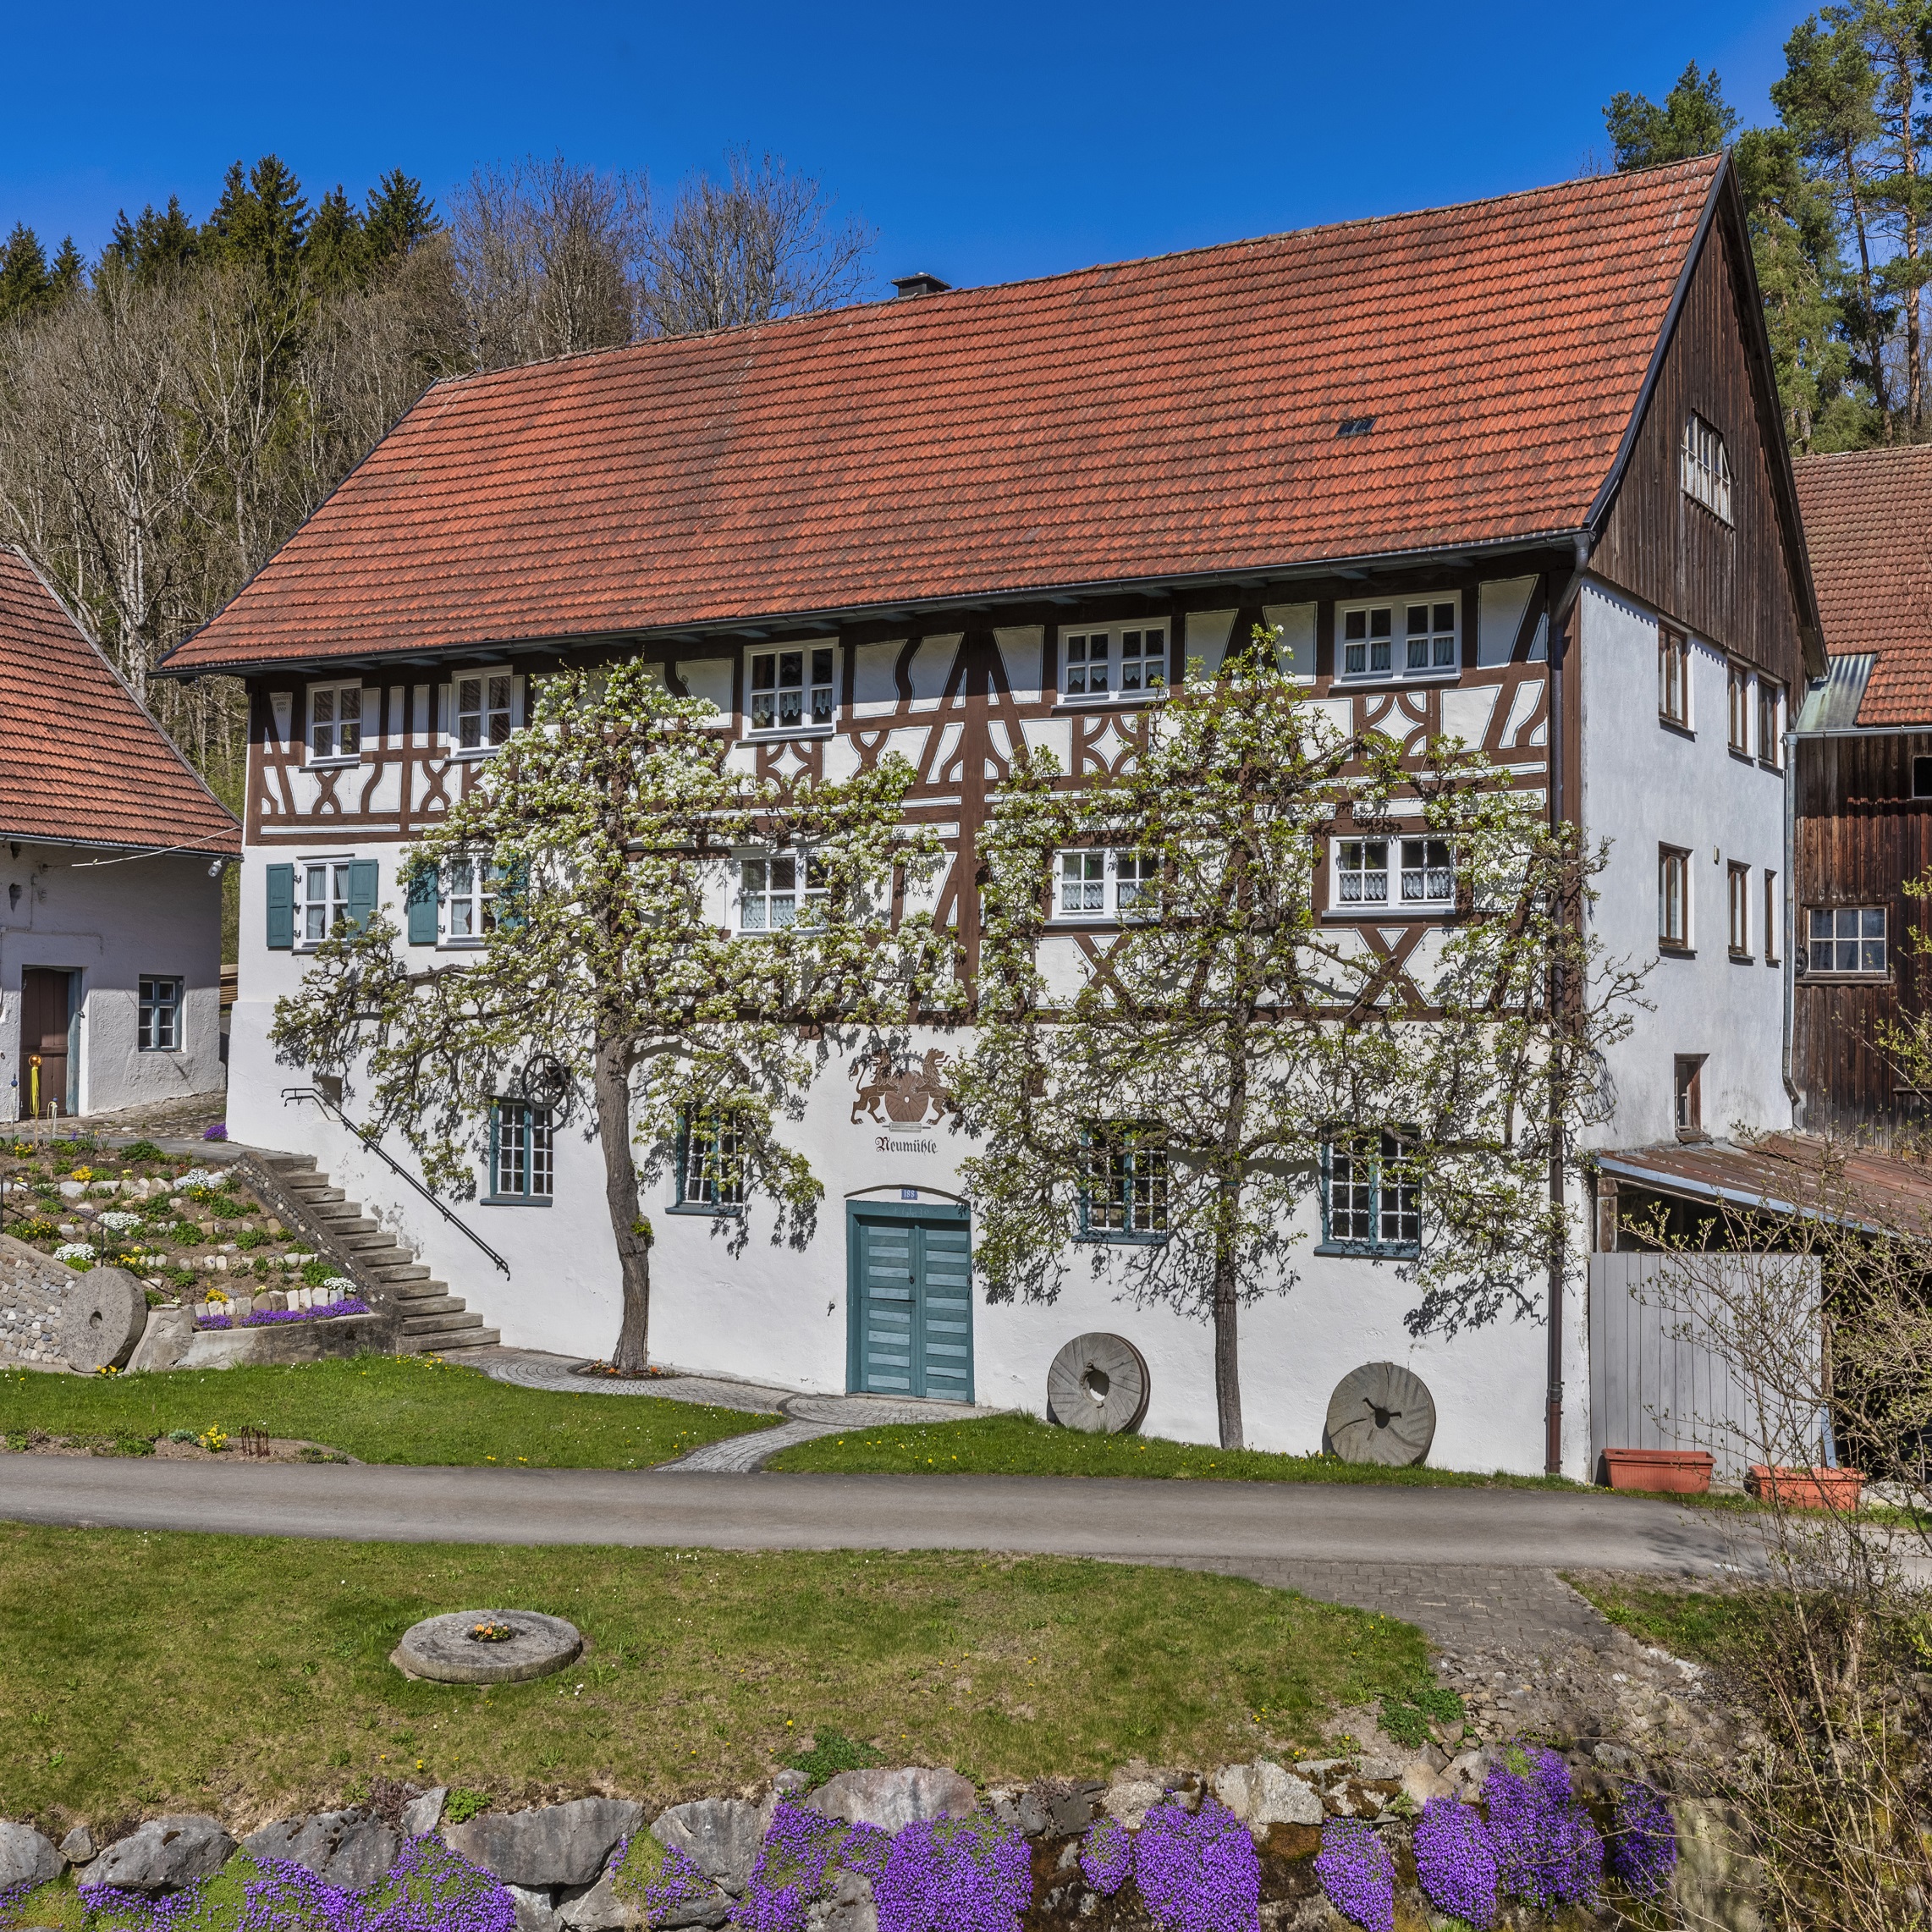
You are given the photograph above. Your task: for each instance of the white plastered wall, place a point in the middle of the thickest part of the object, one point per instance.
(62, 906)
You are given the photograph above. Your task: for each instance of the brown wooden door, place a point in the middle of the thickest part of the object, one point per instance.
(44, 1000)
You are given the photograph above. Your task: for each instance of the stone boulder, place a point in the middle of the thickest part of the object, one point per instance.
(26, 1858)
(557, 1845)
(78, 1846)
(534, 1911)
(892, 1799)
(421, 1815)
(720, 1835)
(1127, 1801)
(1262, 1794)
(598, 1908)
(347, 1849)
(164, 1855)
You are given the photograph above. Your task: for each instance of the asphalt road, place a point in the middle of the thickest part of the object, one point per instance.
(1217, 1522)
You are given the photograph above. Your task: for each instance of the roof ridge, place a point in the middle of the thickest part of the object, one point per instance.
(1707, 164)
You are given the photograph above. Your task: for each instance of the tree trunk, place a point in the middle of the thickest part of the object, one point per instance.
(1227, 1349)
(612, 1083)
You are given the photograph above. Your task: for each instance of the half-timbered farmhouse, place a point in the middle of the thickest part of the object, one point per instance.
(111, 924)
(1863, 758)
(1510, 471)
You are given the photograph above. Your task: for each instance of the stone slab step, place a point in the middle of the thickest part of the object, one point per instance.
(287, 1163)
(427, 1288)
(441, 1320)
(456, 1342)
(431, 1311)
(399, 1273)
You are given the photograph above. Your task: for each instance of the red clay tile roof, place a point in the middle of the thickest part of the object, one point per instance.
(80, 759)
(1150, 419)
(1868, 524)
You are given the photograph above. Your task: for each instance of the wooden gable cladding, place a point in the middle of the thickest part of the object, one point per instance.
(1861, 834)
(1735, 584)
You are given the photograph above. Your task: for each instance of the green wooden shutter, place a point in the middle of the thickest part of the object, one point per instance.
(365, 878)
(281, 907)
(513, 889)
(422, 905)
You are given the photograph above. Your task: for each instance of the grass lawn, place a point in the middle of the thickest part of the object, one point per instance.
(407, 1408)
(148, 1673)
(1023, 1446)
(1703, 1625)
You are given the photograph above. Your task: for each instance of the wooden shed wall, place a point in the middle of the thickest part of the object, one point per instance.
(1860, 835)
(1731, 584)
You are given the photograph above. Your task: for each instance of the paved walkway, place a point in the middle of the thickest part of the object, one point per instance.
(806, 1417)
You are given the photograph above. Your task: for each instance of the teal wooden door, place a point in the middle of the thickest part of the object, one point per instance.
(911, 1303)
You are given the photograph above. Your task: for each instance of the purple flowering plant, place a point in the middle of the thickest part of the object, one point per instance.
(1358, 1874)
(966, 1874)
(1107, 1856)
(1642, 1853)
(1455, 1864)
(790, 1871)
(1548, 1852)
(1199, 1872)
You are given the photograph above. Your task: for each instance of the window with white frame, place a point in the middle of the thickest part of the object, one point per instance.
(471, 883)
(1673, 898)
(778, 890)
(1673, 678)
(1370, 1204)
(792, 689)
(1099, 883)
(325, 898)
(160, 1015)
(1128, 661)
(1740, 911)
(1424, 874)
(1737, 691)
(1771, 723)
(484, 712)
(1123, 1181)
(1704, 469)
(1398, 639)
(1773, 918)
(523, 1165)
(1845, 939)
(711, 1159)
(335, 720)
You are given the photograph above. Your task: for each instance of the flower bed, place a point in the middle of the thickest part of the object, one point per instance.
(210, 1316)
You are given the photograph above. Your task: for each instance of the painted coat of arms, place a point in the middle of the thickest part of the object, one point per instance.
(913, 1097)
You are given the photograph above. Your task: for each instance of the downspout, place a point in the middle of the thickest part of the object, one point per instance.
(1559, 653)
(1790, 975)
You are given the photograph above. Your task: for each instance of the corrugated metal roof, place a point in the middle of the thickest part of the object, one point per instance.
(1831, 704)
(1786, 1174)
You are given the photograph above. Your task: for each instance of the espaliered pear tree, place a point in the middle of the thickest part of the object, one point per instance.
(1171, 1096)
(614, 829)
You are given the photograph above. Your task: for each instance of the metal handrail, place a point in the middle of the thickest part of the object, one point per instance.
(367, 1137)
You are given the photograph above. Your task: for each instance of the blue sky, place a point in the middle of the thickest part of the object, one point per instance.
(983, 141)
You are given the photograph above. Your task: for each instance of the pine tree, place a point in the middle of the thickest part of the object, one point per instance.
(69, 269)
(261, 218)
(399, 216)
(156, 248)
(24, 282)
(1694, 120)
(336, 250)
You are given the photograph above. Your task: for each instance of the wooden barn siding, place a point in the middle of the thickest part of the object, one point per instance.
(1860, 835)
(1655, 1382)
(1731, 585)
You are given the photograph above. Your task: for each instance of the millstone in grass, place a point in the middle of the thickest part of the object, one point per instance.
(107, 1310)
(1380, 1412)
(442, 1648)
(1099, 1384)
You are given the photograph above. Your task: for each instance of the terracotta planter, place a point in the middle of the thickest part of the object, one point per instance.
(1806, 1488)
(1662, 1471)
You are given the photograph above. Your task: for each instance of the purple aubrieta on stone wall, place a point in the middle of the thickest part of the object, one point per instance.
(1548, 1852)
(1197, 1871)
(1358, 1874)
(1455, 1864)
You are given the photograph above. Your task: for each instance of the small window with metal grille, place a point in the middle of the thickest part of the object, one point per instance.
(1123, 1184)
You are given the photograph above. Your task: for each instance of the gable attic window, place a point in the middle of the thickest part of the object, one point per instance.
(1128, 662)
(484, 708)
(1704, 469)
(792, 690)
(335, 720)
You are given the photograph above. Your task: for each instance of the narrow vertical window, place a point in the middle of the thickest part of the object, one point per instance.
(160, 1015)
(1737, 689)
(1771, 723)
(1673, 694)
(1773, 918)
(1687, 1092)
(1673, 898)
(1739, 880)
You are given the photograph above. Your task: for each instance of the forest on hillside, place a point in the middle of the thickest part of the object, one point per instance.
(171, 412)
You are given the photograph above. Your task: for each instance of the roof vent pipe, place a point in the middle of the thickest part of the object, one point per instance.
(910, 285)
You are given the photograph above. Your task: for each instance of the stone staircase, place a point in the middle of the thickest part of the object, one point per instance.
(429, 1319)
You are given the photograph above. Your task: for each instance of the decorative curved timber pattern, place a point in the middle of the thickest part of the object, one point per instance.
(960, 704)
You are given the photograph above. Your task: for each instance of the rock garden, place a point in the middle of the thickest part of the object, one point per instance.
(193, 1235)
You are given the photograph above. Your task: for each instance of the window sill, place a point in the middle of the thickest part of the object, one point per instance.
(1743, 958)
(1121, 1241)
(1103, 700)
(515, 1200)
(1384, 680)
(347, 763)
(1693, 1137)
(1742, 756)
(157, 1049)
(704, 1210)
(1677, 726)
(1369, 1251)
(460, 945)
(472, 754)
(1666, 950)
(1844, 979)
(1401, 909)
(777, 734)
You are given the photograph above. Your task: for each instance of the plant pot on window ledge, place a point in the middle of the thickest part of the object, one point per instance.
(1806, 1488)
(1666, 1472)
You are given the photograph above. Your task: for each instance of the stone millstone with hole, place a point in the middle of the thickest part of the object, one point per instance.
(1099, 1384)
(442, 1648)
(106, 1313)
(1380, 1412)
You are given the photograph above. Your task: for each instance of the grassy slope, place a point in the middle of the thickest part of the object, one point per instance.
(151, 1673)
(1022, 1446)
(409, 1408)
(1701, 1624)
